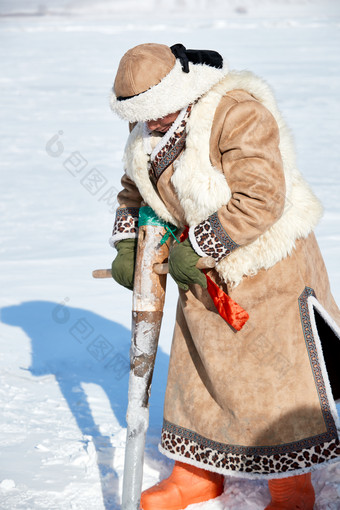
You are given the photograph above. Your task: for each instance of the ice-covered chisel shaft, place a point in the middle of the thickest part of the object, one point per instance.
(147, 311)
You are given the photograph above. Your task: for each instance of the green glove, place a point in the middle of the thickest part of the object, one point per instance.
(123, 266)
(182, 266)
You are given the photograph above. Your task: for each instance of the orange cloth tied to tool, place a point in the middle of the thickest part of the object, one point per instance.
(228, 309)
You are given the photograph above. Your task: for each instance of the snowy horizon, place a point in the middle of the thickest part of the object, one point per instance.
(234, 9)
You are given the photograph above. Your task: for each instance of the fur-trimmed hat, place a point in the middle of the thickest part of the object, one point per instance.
(154, 80)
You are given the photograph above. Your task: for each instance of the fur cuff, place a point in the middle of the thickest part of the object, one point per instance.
(125, 226)
(209, 238)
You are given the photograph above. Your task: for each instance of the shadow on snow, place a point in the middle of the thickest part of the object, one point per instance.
(78, 346)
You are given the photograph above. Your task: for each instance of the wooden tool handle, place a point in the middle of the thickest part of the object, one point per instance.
(101, 273)
(203, 263)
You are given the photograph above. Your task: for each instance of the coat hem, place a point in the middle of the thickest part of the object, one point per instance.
(262, 461)
(238, 474)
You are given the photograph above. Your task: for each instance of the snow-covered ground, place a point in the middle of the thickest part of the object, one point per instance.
(64, 337)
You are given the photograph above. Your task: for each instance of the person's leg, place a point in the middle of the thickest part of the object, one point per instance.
(292, 493)
(185, 486)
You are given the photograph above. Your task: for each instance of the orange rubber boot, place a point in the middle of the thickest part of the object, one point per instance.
(185, 486)
(293, 493)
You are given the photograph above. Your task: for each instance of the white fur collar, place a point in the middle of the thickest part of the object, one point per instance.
(164, 140)
(202, 189)
(136, 162)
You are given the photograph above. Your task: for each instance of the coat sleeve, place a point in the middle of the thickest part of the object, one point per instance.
(129, 200)
(126, 221)
(252, 165)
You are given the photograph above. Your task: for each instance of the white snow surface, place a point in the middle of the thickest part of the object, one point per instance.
(64, 337)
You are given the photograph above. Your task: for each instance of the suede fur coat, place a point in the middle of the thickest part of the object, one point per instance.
(259, 402)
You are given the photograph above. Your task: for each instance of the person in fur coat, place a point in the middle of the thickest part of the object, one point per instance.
(251, 391)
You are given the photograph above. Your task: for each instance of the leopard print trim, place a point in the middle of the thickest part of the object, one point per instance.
(211, 238)
(126, 224)
(314, 361)
(178, 442)
(170, 150)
